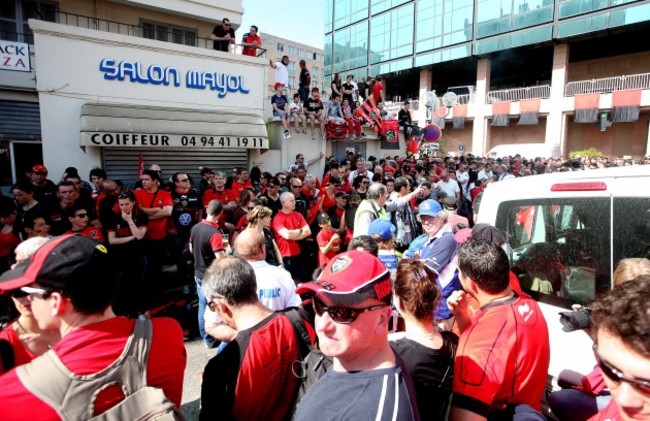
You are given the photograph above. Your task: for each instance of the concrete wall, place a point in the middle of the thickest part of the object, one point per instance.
(618, 140)
(451, 138)
(611, 66)
(514, 134)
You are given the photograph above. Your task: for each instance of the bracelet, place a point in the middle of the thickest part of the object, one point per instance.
(300, 231)
(132, 225)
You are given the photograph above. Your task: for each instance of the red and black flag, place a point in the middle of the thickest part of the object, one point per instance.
(369, 111)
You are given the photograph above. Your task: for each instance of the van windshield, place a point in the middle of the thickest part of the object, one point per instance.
(565, 250)
(561, 247)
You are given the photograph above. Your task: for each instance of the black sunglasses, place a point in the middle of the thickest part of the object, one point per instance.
(615, 375)
(342, 315)
(295, 187)
(18, 293)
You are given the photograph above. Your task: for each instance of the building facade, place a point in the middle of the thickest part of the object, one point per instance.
(110, 83)
(277, 47)
(523, 71)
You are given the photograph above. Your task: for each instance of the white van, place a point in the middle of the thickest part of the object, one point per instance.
(571, 229)
(527, 150)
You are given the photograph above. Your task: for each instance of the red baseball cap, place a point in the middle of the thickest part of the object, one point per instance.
(278, 85)
(350, 279)
(39, 168)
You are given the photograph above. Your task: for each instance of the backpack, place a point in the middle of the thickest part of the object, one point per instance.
(312, 364)
(73, 396)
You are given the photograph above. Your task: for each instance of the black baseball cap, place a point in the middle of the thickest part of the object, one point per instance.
(61, 262)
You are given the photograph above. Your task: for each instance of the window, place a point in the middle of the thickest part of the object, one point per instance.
(168, 33)
(349, 11)
(440, 24)
(561, 247)
(350, 48)
(499, 16)
(280, 47)
(391, 34)
(379, 6)
(315, 57)
(291, 50)
(15, 13)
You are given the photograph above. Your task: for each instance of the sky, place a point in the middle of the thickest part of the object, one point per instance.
(298, 20)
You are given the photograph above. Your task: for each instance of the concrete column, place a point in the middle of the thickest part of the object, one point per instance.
(647, 148)
(555, 127)
(426, 77)
(479, 131)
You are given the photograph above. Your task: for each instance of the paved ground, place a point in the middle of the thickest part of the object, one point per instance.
(197, 358)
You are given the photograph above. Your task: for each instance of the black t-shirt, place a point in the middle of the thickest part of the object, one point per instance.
(348, 86)
(432, 372)
(271, 257)
(362, 90)
(127, 252)
(302, 78)
(274, 204)
(404, 117)
(220, 32)
(312, 105)
(185, 211)
(46, 194)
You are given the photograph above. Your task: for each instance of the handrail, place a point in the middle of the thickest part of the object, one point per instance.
(115, 27)
(608, 84)
(517, 94)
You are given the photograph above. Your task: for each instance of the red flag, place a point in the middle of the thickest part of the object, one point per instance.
(368, 110)
(140, 167)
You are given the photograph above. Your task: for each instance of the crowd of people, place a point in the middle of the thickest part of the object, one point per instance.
(379, 267)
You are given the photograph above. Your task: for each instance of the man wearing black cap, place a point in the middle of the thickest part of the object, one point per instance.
(351, 300)
(70, 285)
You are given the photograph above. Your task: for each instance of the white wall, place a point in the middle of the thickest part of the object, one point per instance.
(68, 76)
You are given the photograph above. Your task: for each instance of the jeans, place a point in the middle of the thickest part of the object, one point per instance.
(203, 303)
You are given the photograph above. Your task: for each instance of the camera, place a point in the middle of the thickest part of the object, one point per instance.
(576, 320)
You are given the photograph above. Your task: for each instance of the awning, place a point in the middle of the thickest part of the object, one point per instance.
(119, 126)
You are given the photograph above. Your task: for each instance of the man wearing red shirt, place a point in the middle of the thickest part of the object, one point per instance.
(242, 180)
(329, 241)
(158, 206)
(226, 197)
(251, 42)
(378, 90)
(622, 349)
(78, 217)
(290, 227)
(503, 354)
(71, 287)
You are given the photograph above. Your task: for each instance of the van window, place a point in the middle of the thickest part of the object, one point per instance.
(631, 228)
(561, 247)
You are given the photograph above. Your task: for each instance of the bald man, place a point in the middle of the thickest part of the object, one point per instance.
(290, 227)
(275, 287)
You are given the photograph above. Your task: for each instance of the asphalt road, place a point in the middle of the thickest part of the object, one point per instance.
(197, 357)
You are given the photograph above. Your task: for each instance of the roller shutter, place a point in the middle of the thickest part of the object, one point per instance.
(122, 163)
(20, 120)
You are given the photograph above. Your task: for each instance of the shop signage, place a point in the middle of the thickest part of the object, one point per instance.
(155, 74)
(166, 141)
(14, 56)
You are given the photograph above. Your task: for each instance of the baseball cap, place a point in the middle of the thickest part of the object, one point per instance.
(383, 228)
(341, 194)
(351, 278)
(429, 207)
(315, 89)
(487, 232)
(389, 168)
(278, 85)
(61, 262)
(39, 168)
(463, 235)
(322, 217)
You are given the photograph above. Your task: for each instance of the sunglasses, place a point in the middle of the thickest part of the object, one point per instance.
(342, 315)
(615, 375)
(295, 187)
(184, 180)
(82, 215)
(40, 173)
(17, 293)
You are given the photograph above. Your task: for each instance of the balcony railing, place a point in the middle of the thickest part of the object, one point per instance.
(465, 99)
(608, 84)
(517, 94)
(172, 34)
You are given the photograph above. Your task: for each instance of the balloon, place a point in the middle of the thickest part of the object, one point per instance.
(431, 133)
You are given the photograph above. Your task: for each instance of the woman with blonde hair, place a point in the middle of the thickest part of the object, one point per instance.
(628, 269)
(259, 218)
(427, 353)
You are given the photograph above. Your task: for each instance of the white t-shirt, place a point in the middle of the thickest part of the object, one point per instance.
(450, 187)
(293, 106)
(275, 287)
(281, 73)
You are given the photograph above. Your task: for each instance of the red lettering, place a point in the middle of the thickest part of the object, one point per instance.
(6, 63)
(382, 289)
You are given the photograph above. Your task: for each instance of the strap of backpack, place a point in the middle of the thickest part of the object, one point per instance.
(297, 316)
(7, 358)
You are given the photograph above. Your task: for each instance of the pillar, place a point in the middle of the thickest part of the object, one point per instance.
(426, 78)
(480, 129)
(555, 120)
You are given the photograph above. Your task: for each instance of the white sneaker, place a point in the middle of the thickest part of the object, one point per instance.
(313, 136)
(286, 134)
(322, 136)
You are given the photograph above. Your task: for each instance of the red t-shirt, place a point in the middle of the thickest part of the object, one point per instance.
(90, 232)
(225, 196)
(324, 236)
(291, 221)
(252, 39)
(22, 355)
(92, 348)
(8, 243)
(609, 413)
(328, 202)
(503, 357)
(157, 228)
(237, 186)
(376, 90)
